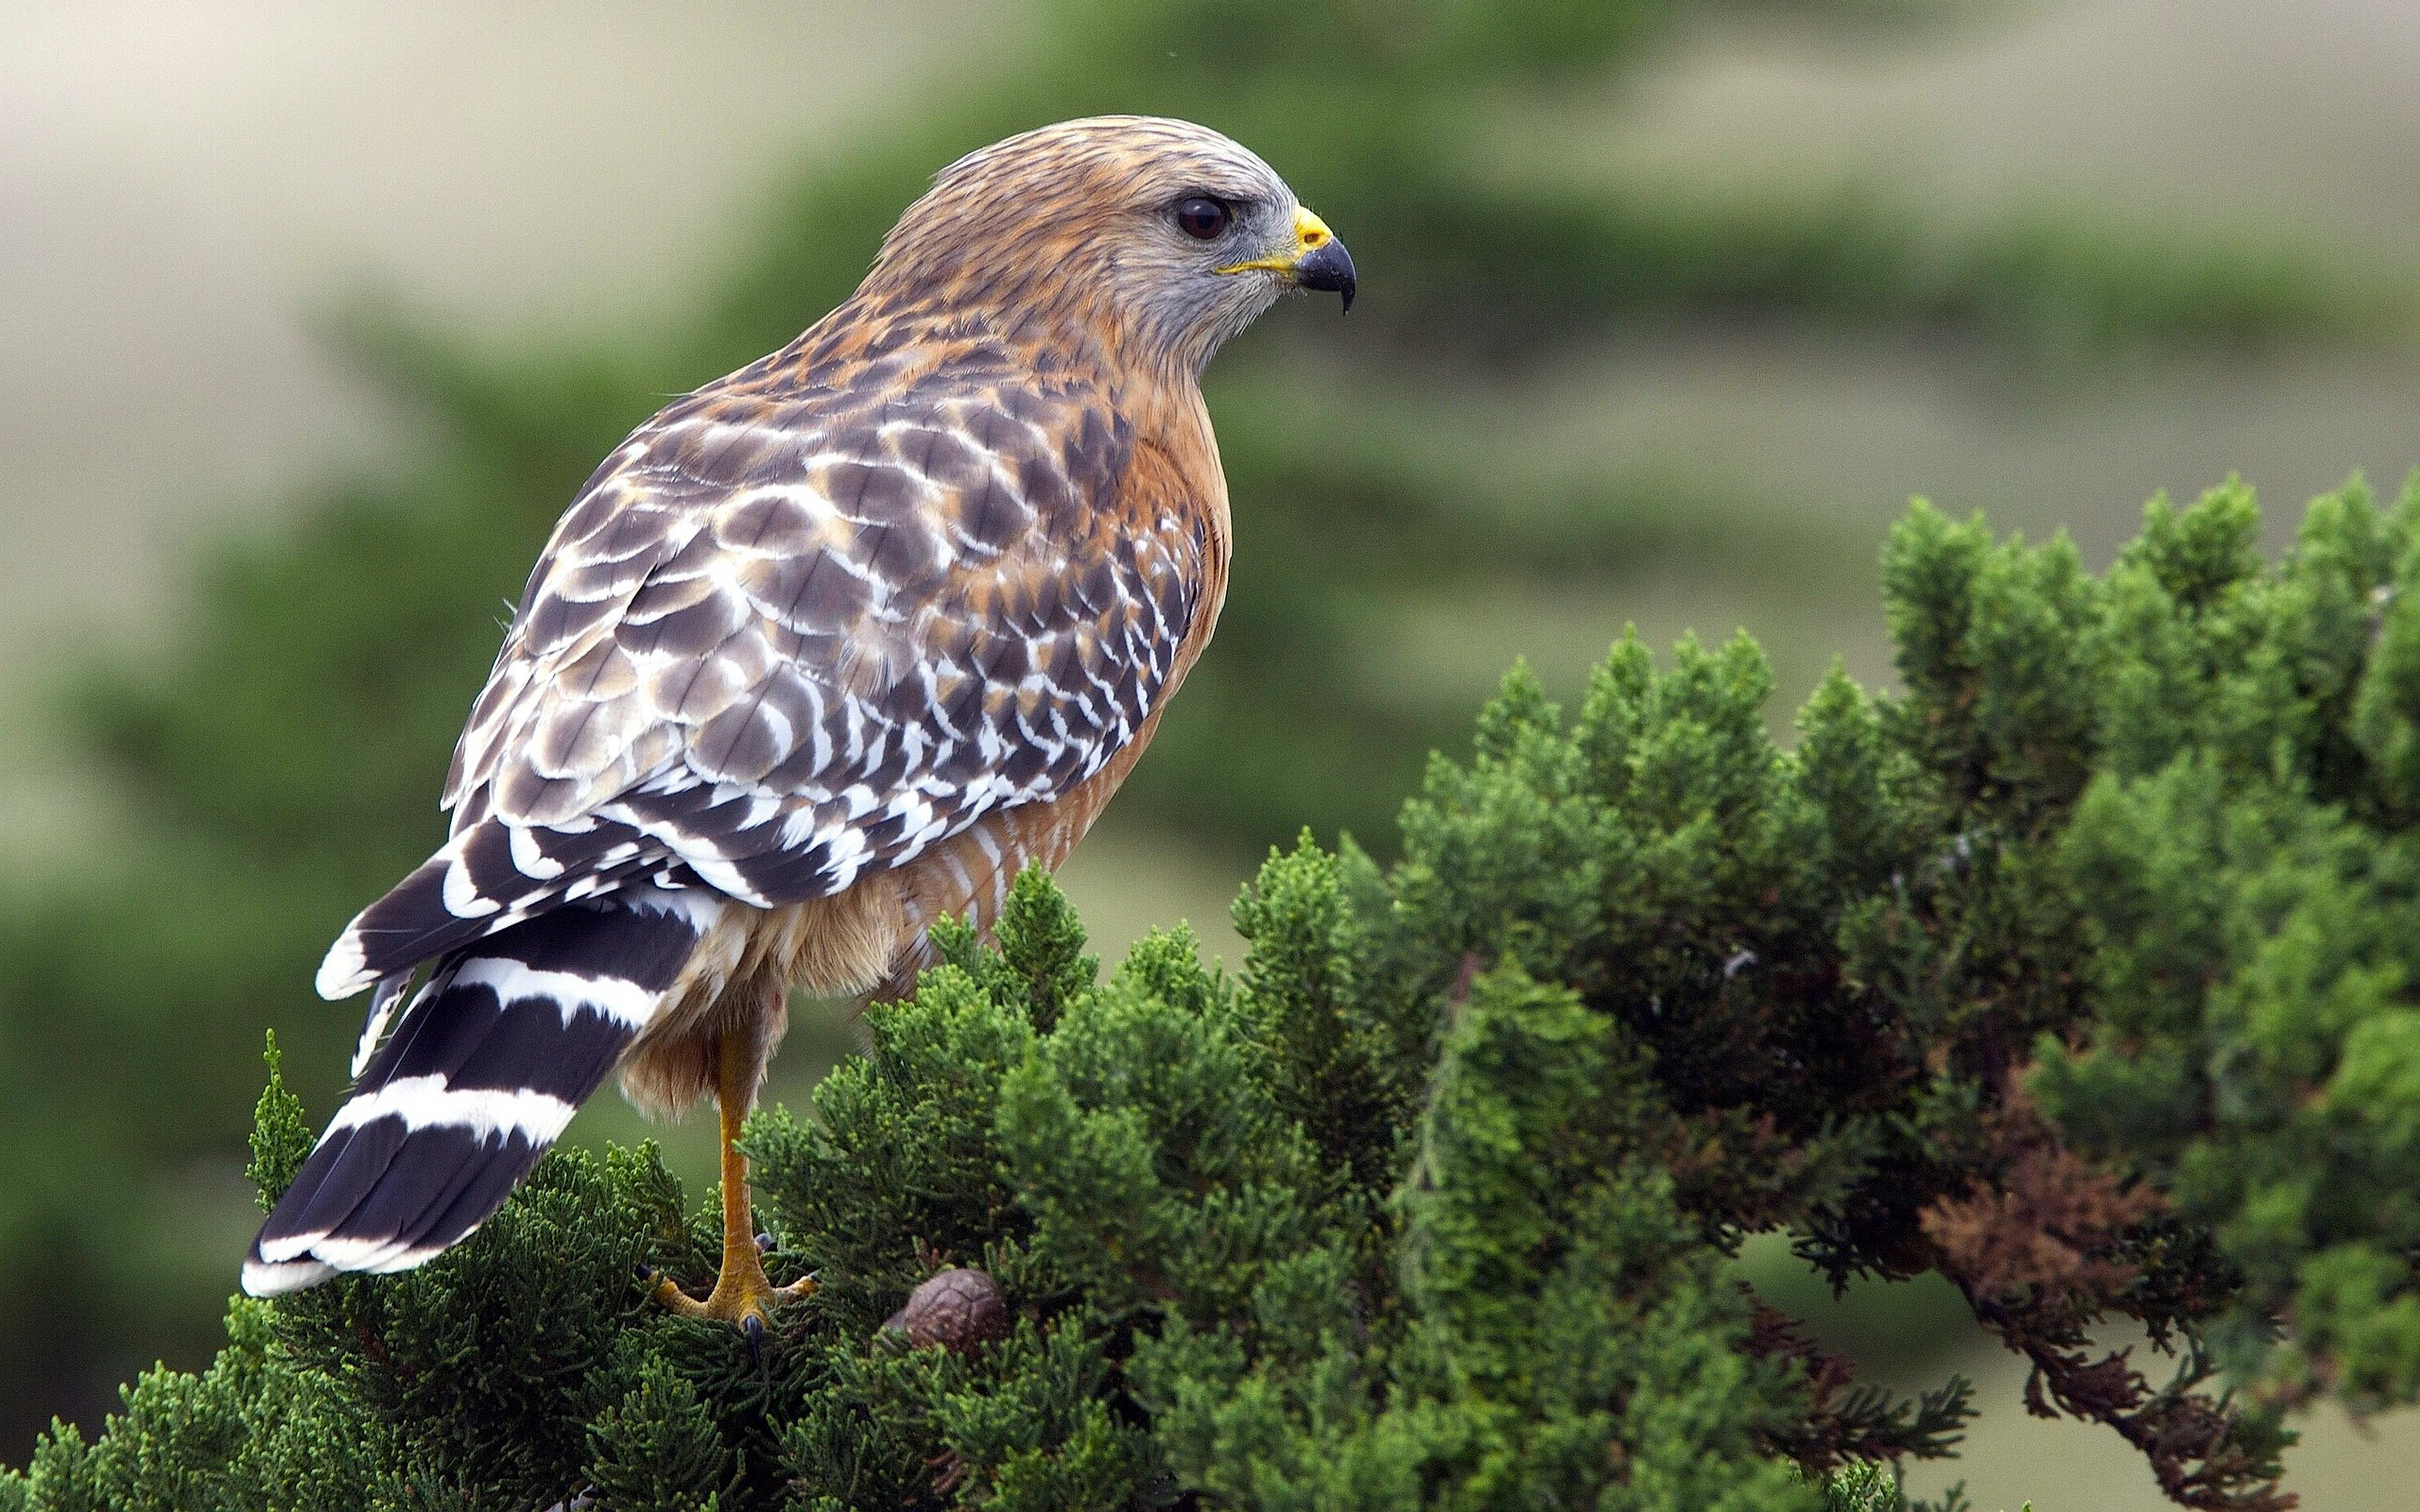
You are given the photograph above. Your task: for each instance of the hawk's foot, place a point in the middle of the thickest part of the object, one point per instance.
(743, 1293)
(744, 1296)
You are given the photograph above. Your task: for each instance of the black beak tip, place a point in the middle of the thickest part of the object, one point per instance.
(1329, 269)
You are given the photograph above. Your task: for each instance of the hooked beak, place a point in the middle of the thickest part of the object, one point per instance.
(1317, 261)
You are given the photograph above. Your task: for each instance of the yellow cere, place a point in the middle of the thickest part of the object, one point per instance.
(1310, 233)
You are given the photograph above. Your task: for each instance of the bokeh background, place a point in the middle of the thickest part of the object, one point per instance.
(314, 314)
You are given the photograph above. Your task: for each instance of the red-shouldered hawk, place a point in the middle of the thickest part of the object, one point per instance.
(829, 650)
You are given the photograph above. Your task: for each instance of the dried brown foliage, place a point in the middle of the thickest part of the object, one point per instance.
(2046, 1251)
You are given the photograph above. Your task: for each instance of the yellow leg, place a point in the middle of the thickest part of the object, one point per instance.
(743, 1293)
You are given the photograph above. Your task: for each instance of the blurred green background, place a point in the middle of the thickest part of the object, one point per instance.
(316, 314)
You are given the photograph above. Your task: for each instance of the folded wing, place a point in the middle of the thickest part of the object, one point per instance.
(786, 638)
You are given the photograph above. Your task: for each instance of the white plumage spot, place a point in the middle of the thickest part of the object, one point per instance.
(301, 1259)
(275, 1278)
(531, 857)
(721, 874)
(461, 895)
(426, 1102)
(380, 1256)
(624, 1002)
(344, 971)
(382, 1011)
(698, 907)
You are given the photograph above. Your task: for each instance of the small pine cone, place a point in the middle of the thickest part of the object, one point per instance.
(957, 1309)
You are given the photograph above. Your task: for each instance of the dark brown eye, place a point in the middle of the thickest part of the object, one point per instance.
(1203, 219)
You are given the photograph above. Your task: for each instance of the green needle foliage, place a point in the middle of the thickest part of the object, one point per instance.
(2079, 974)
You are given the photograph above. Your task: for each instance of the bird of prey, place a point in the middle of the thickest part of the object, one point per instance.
(827, 650)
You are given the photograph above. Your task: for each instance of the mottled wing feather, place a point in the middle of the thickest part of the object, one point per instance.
(787, 639)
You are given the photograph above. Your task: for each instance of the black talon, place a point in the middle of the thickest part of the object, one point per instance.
(765, 1242)
(755, 1327)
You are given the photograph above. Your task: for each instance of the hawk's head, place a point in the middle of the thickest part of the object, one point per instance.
(1167, 235)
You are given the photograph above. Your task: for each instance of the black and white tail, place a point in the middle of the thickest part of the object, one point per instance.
(476, 1078)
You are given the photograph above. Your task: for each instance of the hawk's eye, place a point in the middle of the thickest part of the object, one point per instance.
(1202, 218)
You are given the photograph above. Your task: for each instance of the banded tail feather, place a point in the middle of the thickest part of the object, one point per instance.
(476, 1077)
(488, 877)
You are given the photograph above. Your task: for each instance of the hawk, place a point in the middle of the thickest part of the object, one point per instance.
(827, 650)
